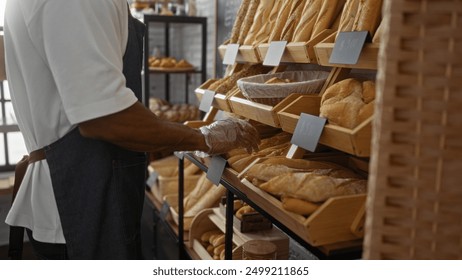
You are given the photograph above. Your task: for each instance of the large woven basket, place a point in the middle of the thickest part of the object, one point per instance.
(414, 207)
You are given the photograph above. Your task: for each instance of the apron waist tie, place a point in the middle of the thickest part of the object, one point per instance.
(17, 233)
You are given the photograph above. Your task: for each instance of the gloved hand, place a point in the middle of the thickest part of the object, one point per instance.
(225, 135)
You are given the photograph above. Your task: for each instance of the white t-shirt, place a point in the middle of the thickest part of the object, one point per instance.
(64, 66)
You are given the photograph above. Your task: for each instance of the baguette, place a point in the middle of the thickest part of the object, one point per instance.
(241, 13)
(368, 16)
(328, 13)
(299, 206)
(348, 16)
(378, 34)
(248, 20)
(313, 188)
(260, 21)
(209, 199)
(283, 15)
(305, 26)
(264, 33)
(202, 187)
(291, 23)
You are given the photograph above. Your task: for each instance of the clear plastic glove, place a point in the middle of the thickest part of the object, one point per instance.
(225, 135)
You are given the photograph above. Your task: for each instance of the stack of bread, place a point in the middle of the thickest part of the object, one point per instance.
(214, 242)
(262, 21)
(348, 103)
(169, 62)
(173, 112)
(303, 185)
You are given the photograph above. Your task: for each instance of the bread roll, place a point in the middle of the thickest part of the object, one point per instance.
(299, 206)
(241, 13)
(368, 16)
(244, 210)
(260, 21)
(328, 13)
(206, 235)
(313, 188)
(248, 20)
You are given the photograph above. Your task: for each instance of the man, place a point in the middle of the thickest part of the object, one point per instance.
(74, 72)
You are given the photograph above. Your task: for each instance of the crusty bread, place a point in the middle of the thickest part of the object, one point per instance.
(299, 206)
(260, 22)
(311, 187)
(304, 28)
(328, 13)
(283, 15)
(348, 15)
(241, 13)
(264, 34)
(342, 102)
(368, 16)
(209, 199)
(248, 21)
(378, 33)
(292, 22)
(203, 185)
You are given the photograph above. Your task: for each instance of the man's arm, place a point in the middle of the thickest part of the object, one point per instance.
(138, 129)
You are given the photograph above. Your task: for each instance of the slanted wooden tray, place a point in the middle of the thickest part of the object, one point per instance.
(299, 52)
(246, 54)
(367, 60)
(221, 101)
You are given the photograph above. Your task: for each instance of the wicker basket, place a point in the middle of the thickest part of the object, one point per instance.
(303, 82)
(414, 208)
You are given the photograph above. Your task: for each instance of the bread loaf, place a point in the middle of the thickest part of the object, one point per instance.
(313, 188)
(342, 102)
(299, 206)
(368, 16)
(378, 34)
(241, 13)
(264, 33)
(328, 13)
(305, 26)
(260, 21)
(248, 20)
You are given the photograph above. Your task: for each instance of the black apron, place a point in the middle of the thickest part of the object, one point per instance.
(99, 187)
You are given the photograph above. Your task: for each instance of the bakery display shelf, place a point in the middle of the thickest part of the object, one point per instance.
(246, 53)
(262, 113)
(355, 141)
(173, 70)
(299, 52)
(287, 222)
(367, 60)
(220, 101)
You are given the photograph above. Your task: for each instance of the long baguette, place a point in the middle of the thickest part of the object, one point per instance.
(368, 18)
(283, 15)
(348, 16)
(313, 188)
(248, 21)
(327, 15)
(209, 199)
(241, 13)
(291, 24)
(306, 24)
(260, 22)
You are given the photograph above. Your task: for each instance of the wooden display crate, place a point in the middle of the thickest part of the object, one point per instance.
(367, 60)
(221, 101)
(355, 141)
(262, 113)
(246, 54)
(298, 52)
(210, 219)
(331, 223)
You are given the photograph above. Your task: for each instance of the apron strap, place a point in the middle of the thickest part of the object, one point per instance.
(17, 233)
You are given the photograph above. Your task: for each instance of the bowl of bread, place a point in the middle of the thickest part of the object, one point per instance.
(270, 89)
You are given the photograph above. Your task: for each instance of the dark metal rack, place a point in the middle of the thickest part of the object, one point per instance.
(167, 21)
